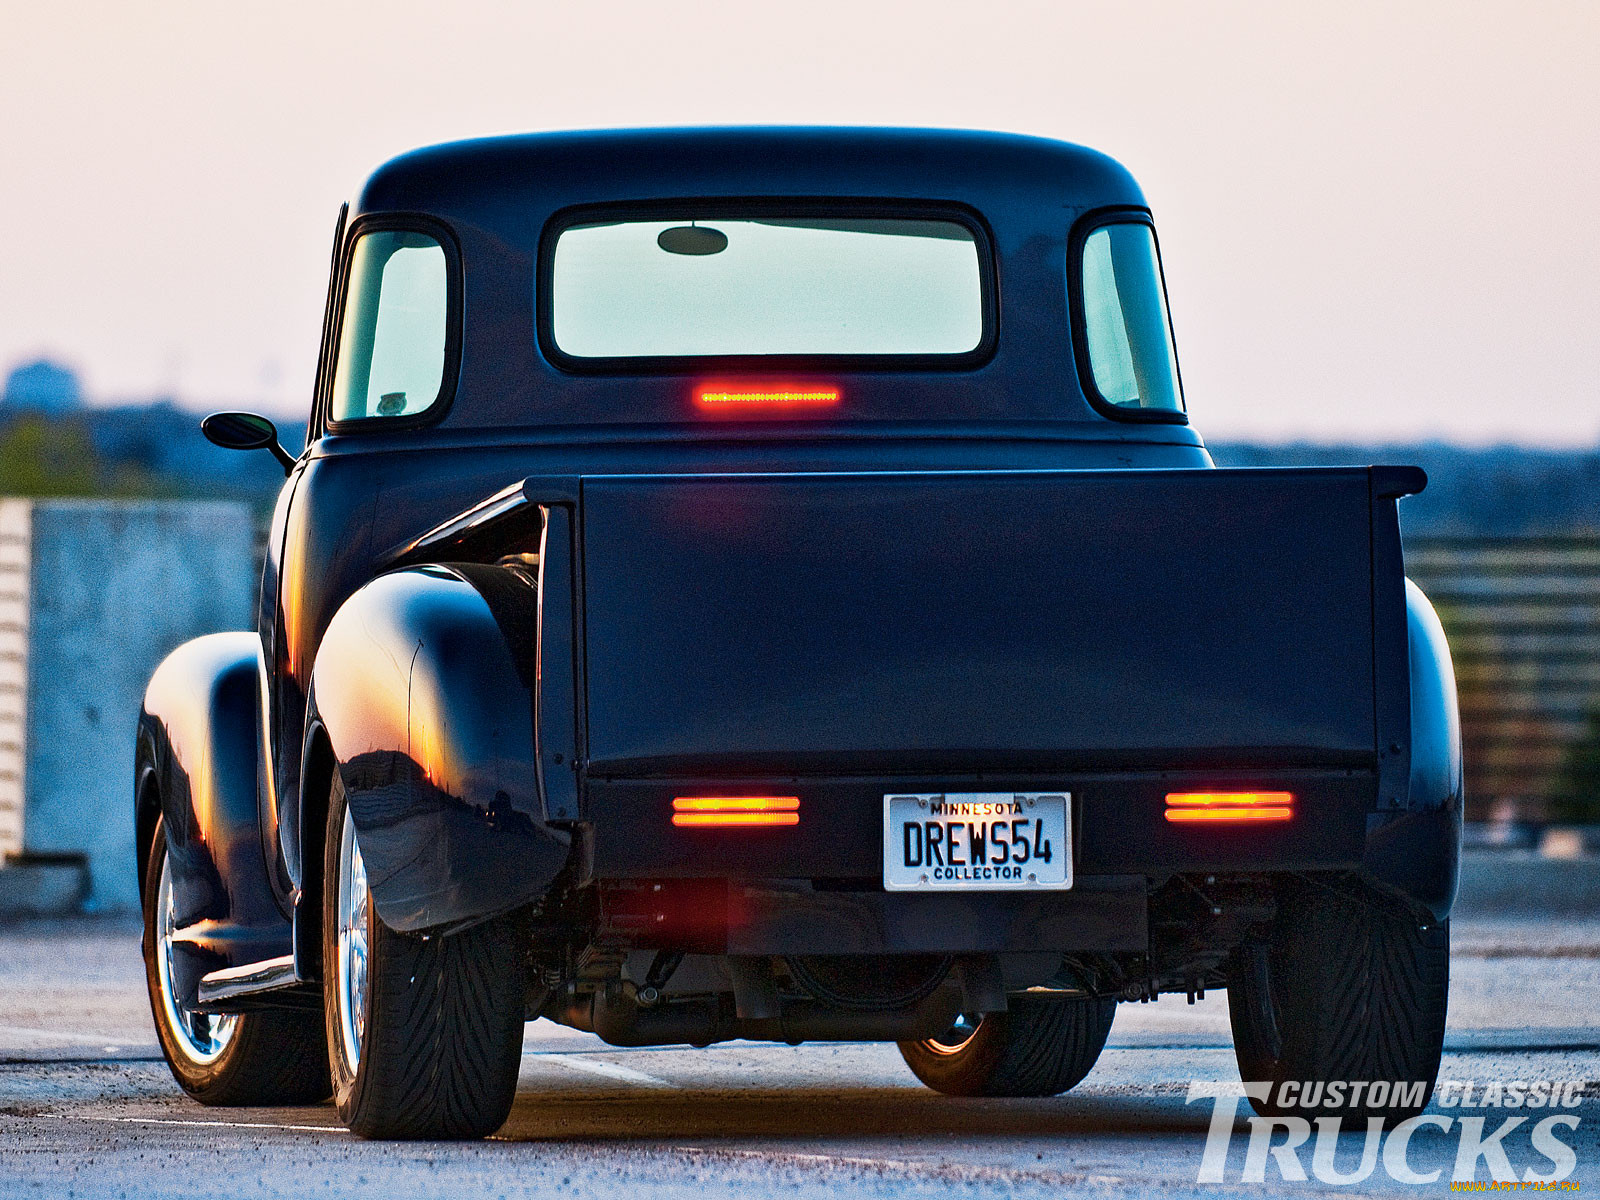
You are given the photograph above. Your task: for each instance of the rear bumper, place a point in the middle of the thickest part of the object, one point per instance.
(1100, 914)
(1119, 825)
(1123, 847)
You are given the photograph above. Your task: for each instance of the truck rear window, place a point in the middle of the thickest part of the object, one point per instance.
(766, 285)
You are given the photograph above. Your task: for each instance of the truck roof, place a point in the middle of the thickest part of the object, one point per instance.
(549, 171)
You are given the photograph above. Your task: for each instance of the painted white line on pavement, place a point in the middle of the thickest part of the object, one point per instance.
(200, 1124)
(595, 1067)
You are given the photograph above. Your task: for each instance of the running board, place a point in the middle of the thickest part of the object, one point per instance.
(268, 984)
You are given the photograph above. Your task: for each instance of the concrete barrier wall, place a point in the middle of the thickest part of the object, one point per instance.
(93, 594)
(1526, 884)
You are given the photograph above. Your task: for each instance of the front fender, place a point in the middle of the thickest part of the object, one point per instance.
(424, 689)
(1418, 849)
(196, 765)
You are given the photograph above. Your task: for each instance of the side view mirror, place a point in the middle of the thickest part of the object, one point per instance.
(246, 431)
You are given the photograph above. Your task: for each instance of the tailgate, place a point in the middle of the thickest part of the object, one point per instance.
(981, 621)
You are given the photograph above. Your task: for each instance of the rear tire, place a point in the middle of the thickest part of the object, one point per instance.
(424, 1033)
(1351, 987)
(254, 1059)
(1037, 1047)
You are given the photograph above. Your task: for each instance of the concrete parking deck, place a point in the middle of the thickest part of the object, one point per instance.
(87, 1107)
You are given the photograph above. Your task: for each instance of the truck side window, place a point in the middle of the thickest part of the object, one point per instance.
(1131, 357)
(396, 319)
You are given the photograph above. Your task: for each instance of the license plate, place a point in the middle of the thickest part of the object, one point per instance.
(977, 841)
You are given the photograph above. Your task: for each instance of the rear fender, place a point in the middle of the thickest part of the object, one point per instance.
(1418, 849)
(196, 769)
(424, 689)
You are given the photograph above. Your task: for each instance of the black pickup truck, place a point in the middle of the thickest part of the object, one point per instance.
(763, 583)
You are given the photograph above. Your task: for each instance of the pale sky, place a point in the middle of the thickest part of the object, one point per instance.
(1379, 219)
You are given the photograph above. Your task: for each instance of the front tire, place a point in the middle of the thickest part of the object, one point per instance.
(247, 1060)
(1037, 1047)
(1350, 987)
(424, 1032)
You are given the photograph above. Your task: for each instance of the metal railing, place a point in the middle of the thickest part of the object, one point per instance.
(1523, 618)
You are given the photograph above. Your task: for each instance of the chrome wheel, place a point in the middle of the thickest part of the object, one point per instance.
(200, 1037)
(353, 898)
(955, 1039)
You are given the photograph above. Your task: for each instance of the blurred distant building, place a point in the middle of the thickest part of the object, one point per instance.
(43, 386)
